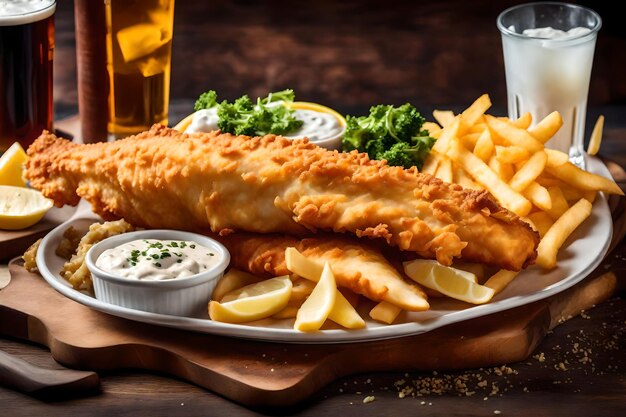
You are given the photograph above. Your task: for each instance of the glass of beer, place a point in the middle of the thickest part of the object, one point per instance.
(139, 46)
(26, 50)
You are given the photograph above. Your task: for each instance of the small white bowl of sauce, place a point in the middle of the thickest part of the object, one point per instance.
(159, 271)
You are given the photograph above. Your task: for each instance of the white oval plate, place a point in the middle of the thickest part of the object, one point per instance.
(581, 254)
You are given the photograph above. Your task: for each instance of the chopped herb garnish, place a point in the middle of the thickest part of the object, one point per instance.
(192, 246)
(157, 264)
(173, 245)
(179, 261)
(211, 254)
(155, 256)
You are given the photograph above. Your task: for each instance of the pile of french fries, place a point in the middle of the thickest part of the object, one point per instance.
(508, 158)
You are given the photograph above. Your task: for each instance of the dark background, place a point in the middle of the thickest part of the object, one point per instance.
(347, 54)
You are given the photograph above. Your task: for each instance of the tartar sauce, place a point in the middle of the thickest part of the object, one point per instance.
(157, 260)
(316, 126)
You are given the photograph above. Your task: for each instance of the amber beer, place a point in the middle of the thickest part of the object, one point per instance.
(139, 45)
(26, 49)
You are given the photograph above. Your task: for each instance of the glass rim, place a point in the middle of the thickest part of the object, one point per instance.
(592, 31)
(26, 17)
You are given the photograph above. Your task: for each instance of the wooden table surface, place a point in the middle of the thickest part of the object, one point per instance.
(578, 370)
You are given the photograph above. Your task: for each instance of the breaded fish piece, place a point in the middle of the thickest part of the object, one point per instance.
(166, 179)
(357, 265)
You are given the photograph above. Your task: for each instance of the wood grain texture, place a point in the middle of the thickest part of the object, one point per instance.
(347, 54)
(18, 374)
(272, 374)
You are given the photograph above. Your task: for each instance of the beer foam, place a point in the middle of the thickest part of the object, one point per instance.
(21, 12)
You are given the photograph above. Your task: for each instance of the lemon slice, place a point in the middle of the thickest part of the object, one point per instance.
(306, 105)
(233, 280)
(317, 307)
(452, 282)
(11, 166)
(184, 124)
(21, 207)
(252, 302)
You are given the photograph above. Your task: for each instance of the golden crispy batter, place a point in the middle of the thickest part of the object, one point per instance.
(357, 266)
(75, 269)
(30, 257)
(163, 178)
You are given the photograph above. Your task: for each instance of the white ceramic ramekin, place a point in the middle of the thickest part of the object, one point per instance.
(187, 296)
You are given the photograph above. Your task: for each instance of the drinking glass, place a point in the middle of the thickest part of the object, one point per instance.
(550, 71)
(26, 53)
(139, 46)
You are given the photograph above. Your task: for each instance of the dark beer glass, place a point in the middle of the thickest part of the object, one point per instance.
(26, 49)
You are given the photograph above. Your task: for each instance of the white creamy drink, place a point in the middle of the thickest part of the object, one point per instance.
(547, 70)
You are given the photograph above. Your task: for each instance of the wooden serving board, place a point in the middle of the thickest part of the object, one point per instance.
(15, 242)
(273, 374)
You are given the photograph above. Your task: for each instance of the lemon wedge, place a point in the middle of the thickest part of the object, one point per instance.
(306, 105)
(233, 280)
(252, 302)
(21, 207)
(184, 124)
(452, 282)
(317, 307)
(11, 166)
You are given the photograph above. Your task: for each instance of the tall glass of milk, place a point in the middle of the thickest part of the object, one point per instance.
(548, 54)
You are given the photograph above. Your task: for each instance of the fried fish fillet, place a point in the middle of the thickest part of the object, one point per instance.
(163, 178)
(357, 266)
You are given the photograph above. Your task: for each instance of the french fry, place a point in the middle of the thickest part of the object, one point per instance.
(303, 266)
(508, 197)
(463, 179)
(560, 231)
(511, 154)
(556, 158)
(447, 136)
(596, 136)
(513, 134)
(523, 121)
(443, 117)
(385, 312)
(433, 128)
(444, 172)
(484, 147)
(478, 127)
(571, 174)
(502, 169)
(301, 289)
(431, 163)
(529, 171)
(342, 312)
(538, 195)
(559, 203)
(475, 112)
(546, 128)
(500, 280)
(541, 221)
(233, 280)
(290, 311)
(469, 140)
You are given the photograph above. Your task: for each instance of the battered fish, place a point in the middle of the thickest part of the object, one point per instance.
(165, 179)
(356, 265)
